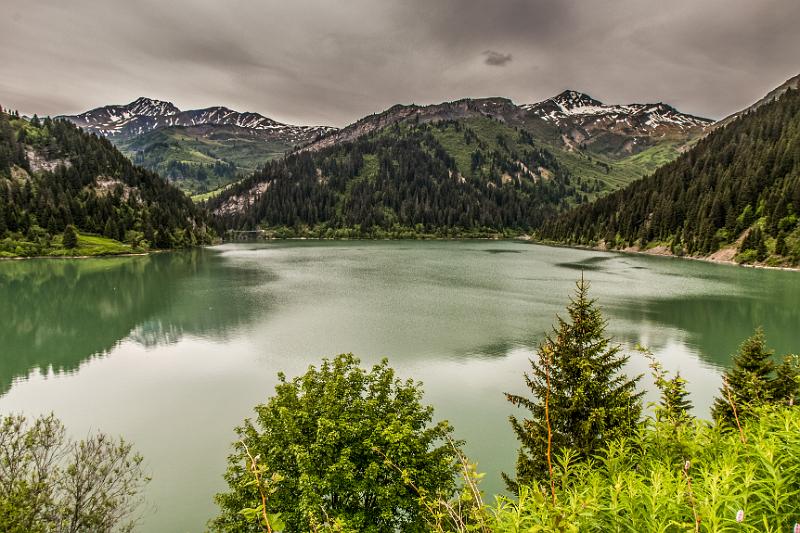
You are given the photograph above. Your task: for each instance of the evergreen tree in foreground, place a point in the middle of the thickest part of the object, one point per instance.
(589, 402)
(787, 380)
(751, 383)
(674, 405)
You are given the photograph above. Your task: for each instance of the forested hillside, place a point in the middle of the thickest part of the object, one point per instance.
(67, 192)
(736, 192)
(449, 177)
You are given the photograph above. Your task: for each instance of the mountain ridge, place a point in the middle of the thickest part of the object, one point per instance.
(574, 117)
(146, 114)
(774, 94)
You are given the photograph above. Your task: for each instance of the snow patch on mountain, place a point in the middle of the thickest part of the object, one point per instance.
(144, 115)
(571, 106)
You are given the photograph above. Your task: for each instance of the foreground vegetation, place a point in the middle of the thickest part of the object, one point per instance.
(672, 476)
(52, 484)
(84, 245)
(333, 443)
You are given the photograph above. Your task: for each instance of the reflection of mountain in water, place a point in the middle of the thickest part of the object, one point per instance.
(716, 324)
(58, 313)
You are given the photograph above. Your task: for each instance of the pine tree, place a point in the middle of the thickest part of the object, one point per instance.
(675, 399)
(749, 382)
(786, 386)
(674, 404)
(70, 237)
(761, 248)
(589, 401)
(780, 244)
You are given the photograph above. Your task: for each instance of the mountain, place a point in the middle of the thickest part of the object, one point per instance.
(54, 176)
(144, 115)
(474, 176)
(586, 123)
(791, 83)
(583, 122)
(501, 109)
(612, 145)
(734, 195)
(199, 150)
(204, 157)
(496, 151)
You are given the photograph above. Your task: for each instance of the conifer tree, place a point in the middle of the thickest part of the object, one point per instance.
(589, 400)
(786, 387)
(70, 237)
(780, 244)
(749, 382)
(675, 402)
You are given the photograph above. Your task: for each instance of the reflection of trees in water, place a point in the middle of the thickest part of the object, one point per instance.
(58, 313)
(717, 324)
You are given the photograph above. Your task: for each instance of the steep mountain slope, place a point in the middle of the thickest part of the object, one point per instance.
(53, 175)
(473, 176)
(737, 190)
(199, 149)
(791, 83)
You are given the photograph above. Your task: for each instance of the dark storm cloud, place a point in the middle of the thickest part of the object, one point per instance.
(319, 61)
(496, 59)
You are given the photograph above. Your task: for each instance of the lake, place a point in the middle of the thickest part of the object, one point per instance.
(173, 350)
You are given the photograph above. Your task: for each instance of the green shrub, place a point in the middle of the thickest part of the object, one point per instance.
(640, 484)
(339, 448)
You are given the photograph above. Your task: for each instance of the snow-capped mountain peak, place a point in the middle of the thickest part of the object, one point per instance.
(145, 114)
(572, 102)
(573, 109)
(151, 108)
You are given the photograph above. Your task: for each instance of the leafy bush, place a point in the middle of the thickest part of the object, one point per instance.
(49, 483)
(338, 448)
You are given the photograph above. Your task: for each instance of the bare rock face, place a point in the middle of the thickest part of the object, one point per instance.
(40, 162)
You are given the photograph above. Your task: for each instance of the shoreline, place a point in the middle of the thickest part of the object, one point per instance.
(667, 255)
(101, 256)
(520, 238)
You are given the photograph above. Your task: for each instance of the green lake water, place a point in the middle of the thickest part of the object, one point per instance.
(173, 350)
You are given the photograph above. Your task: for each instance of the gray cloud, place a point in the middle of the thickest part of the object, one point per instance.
(496, 59)
(324, 61)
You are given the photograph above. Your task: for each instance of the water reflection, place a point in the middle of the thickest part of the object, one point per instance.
(715, 325)
(58, 313)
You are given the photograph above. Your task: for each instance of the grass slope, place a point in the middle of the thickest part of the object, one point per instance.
(199, 160)
(89, 245)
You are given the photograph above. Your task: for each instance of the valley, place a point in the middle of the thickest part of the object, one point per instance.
(382, 267)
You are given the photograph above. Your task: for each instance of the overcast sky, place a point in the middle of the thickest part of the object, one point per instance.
(331, 62)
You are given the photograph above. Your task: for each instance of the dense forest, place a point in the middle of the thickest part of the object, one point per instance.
(739, 188)
(454, 177)
(67, 192)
